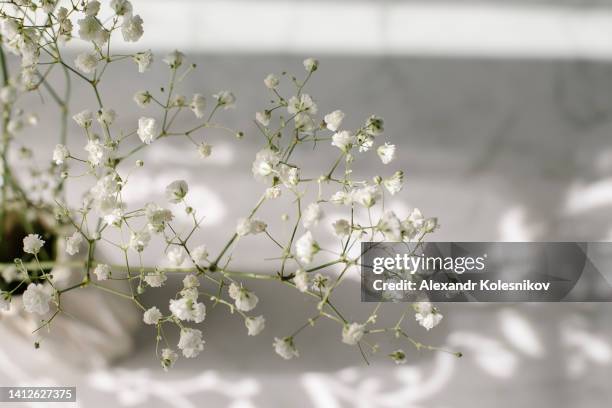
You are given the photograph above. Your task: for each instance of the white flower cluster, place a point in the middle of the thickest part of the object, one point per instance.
(288, 125)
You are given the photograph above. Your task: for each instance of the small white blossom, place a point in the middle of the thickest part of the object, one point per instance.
(152, 316)
(367, 196)
(265, 162)
(147, 130)
(255, 325)
(174, 59)
(187, 309)
(191, 342)
(32, 244)
(157, 217)
(306, 247)
(352, 333)
(390, 226)
(394, 183)
(8, 94)
(156, 279)
(132, 28)
(273, 192)
(92, 8)
(374, 125)
(333, 120)
(5, 303)
(83, 118)
(303, 103)
(263, 117)
(198, 105)
(90, 29)
(95, 151)
(244, 300)
(204, 150)
(176, 256)
(427, 315)
(343, 140)
(342, 227)
(311, 64)
(106, 116)
(285, 348)
(73, 243)
(271, 81)
(246, 226)
(86, 62)
(312, 215)
(139, 240)
(341, 198)
(60, 154)
(288, 175)
(386, 153)
(199, 254)
(144, 60)
(142, 98)
(102, 272)
(121, 7)
(226, 99)
(301, 280)
(191, 281)
(36, 298)
(168, 358)
(176, 191)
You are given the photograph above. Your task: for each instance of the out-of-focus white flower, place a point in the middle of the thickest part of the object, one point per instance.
(198, 105)
(263, 117)
(367, 196)
(427, 315)
(341, 198)
(288, 175)
(304, 123)
(204, 150)
(226, 99)
(142, 98)
(390, 226)
(343, 140)
(5, 303)
(199, 254)
(106, 116)
(285, 348)
(386, 153)
(36, 298)
(374, 125)
(394, 183)
(246, 226)
(187, 309)
(60, 154)
(342, 227)
(191, 342)
(92, 8)
(273, 192)
(303, 103)
(301, 280)
(176, 256)
(95, 151)
(398, 356)
(191, 281)
(312, 215)
(121, 7)
(86, 62)
(144, 60)
(352, 333)
(132, 28)
(147, 130)
(157, 217)
(255, 325)
(244, 299)
(90, 29)
(311, 64)
(139, 240)
(156, 279)
(176, 191)
(265, 162)
(152, 316)
(73, 243)
(174, 59)
(333, 120)
(32, 244)
(271, 81)
(8, 94)
(306, 247)
(168, 358)
(83, 118)
(102, 272)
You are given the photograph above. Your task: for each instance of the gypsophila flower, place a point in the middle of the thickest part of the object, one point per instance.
(244, 300)
(394, 183)
(92, 8)
(8, 94)
(265, 162)
(386, 153)
(144, 60)
(263, 117)
(168, 358)
(147, 130)
(352, 333)
(341, 198)
(32, 244)
(204, 150)
(36, 298)
(343, 140)
(157, 217)
(83, 118)
(73, 243)
(301, 280)
(86, 62)
(342, 227)
(367, 196)
(60, 154)
(190, 281)
(5, 303)
(312, 215)
(398, 356)
(288, 175)
(142, 98)
(121, 7)
(132, 28)
(198, 105)
(374, 125)
(306, 247)
(106, 116)
(319, 282)
(226, 99)
(246, 226)
(427, 315)
(187, 309)
(156, 279)
(390, 226)
(152, 316)
(303, 103)
(271, 81)
(285, 348)
(139, 240)
(273, 192)
(191, 342)
(90, 29)
(174, 59)
(176, 256)
(176, 191)
(199, 254)
(255, 325)
(95, 152)
(102, 272)
(333, 120)
(311, 64)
